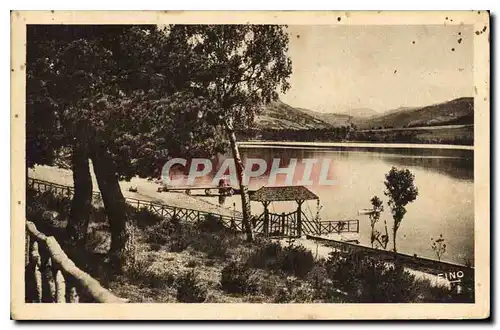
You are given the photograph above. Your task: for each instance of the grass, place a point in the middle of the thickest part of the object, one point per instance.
(186, 262)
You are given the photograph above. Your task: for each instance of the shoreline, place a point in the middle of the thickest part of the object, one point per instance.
(320, 145)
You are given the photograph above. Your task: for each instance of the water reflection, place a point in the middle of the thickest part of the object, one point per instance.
(446, 192)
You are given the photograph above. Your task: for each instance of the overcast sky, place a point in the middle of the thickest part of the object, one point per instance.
(379, 67)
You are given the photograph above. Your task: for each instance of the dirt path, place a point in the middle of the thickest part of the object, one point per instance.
(146, 190)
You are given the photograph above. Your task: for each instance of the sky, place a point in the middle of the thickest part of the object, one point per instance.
(336, 68)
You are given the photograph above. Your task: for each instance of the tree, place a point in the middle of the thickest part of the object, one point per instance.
(241, 68)
(401, 190)
(438, 246)
(374, 215)
(114, 92)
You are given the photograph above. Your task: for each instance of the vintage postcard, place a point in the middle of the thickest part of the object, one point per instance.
(250, 165)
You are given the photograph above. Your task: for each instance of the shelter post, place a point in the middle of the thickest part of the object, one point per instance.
(266, 218)
(299, 218)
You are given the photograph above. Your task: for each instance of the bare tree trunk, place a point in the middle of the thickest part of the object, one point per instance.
(245, 198)
(122, 251)
(81, 204)
(394, 230)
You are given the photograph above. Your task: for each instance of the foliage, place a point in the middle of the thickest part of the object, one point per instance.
(212, 224)
(240, 66)
(292, 290)
(376, 236)
(294, 260)
(189, 289)
(237, 278)
(361, 278)
(145, 218)
(240, 69)
(438, 246)
(161, 233)
(144, 274)
(401, 190)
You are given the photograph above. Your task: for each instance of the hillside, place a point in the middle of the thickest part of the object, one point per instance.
(279, 115)
(457, 112)
(361, 112)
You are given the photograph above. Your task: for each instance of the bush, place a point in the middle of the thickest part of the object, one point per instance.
(163, 232)
(211, 224)
(265, 256)
(292, 290)
(144, 274)
(237, 278)
(144, 218)
(38, 203)
(365, 278)
(294, 260)
(188, 289)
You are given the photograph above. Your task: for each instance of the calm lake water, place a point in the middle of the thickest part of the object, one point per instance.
(445, 203)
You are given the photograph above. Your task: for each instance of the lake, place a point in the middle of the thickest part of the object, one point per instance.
(445, 203)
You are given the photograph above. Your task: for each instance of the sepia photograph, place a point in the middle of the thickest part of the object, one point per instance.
(297, 165)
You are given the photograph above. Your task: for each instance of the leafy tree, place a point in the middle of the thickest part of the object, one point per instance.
(374, 215)
(115, 95)
(401, 190)
(438, 246)
(240, 67)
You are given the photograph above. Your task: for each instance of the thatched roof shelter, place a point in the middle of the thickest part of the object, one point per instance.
(282, 194)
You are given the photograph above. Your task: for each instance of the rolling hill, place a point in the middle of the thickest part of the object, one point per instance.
(279, 115)
(455, 112)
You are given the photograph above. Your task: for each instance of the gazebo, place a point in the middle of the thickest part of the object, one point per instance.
(267, 195)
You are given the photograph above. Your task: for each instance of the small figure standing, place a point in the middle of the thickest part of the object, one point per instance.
(222, 191)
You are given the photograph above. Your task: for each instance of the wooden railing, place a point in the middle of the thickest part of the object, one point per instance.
(426, 265)
(54, 278)
(286, 226)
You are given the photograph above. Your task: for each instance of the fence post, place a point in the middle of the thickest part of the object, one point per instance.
(37, 275)
(299, 219)
(283, 223)
(266, 219)
(60, 287)
(50, 284)
(27, 251)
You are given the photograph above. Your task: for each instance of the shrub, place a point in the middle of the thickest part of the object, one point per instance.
(366, 278)
(163, 232)
(143, 273)
(237, 278)
(191, 263)
(265, 256)
(189, 290)
(318, 278)
(292, 290)
(211, 224)
(295, 260)
(145, 218)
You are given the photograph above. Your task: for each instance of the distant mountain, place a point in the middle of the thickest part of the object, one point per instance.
(458, 111)
(333, 119)
(279, 115)
(361, 112)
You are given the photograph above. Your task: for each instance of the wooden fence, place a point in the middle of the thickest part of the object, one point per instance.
(283, 225)
(52, 277)
(426, 265)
